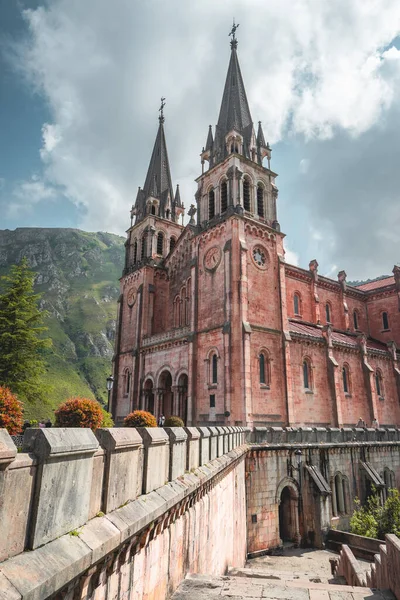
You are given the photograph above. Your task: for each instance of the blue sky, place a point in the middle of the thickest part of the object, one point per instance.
(80, 84)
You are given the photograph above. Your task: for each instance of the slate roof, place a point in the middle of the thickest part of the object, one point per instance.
(319, 480)
(158, 183)
(315, 332)
(308, 330)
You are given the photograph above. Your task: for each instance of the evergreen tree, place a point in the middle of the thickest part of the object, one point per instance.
(21, 335)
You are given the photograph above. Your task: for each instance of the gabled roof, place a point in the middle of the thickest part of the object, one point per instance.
(319, 480)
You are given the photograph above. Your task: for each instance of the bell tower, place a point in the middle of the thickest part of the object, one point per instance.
(236, 179)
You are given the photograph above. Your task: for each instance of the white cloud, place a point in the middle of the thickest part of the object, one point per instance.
(292, 258)
(29, 193)
(311, 68)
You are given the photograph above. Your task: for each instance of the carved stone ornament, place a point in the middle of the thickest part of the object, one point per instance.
(131, 297)
(260, 256)
(212, 258)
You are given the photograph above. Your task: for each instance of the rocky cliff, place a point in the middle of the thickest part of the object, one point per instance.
(77, 274)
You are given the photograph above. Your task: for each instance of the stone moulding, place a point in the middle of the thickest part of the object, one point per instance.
(105, 543)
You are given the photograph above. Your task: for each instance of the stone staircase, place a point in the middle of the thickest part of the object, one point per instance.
(248, 584)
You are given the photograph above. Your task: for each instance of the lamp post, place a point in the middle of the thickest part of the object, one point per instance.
(110, 383)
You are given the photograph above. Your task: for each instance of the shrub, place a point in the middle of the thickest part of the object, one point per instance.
(174, 422)
(10, 411)
(107, 419)
(79, 412)
(140, 418)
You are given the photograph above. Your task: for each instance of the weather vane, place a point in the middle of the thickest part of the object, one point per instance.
(161, 110)
(233, 34)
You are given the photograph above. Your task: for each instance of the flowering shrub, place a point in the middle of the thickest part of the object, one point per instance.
(174, 422)
(140, 418)
(79, 412)
(11, 410)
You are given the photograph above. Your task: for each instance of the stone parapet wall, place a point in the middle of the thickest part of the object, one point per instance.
(89, 506)
(317, 435)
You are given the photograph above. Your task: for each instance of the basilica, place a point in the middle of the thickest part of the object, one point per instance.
(215, 327)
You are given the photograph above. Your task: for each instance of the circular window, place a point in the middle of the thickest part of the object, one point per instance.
(131, 298)
(260, 257)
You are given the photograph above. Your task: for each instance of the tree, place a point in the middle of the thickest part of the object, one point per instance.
(21, 334)
(374, 519)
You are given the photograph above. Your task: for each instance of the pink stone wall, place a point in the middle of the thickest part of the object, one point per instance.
(207, 538)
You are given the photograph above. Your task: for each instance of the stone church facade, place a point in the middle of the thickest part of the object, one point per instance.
(215, 327)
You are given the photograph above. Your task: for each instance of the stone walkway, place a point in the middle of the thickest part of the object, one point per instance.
(297, 575)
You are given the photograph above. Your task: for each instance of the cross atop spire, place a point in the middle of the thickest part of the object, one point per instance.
(232, 33)
(161, 111)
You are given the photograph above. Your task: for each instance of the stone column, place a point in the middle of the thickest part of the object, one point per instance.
(231, 190)
(334, 501)
(239, 195)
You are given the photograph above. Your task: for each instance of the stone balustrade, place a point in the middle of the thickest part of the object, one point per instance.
(158, 338)
(384, 572)
(65, 477)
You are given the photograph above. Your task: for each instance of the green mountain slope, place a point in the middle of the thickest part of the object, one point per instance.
(77, 274)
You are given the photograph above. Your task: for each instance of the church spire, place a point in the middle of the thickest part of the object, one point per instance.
(157, 196)
(234, 114)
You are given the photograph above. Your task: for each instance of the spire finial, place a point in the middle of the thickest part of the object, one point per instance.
(232, 33)
(161, 111)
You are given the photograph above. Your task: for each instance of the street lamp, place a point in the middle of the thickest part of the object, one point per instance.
(299, 455)
(110, 383)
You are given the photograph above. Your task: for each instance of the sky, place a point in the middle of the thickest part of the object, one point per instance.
(80, 88)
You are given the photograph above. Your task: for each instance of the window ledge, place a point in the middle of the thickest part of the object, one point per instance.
(385, 330)
(381, 397)
(297, 316)
(308, 391)
(264, 386)
(212, 386)
(348, 395)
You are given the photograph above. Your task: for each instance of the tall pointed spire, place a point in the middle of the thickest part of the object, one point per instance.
(158, 183)
(234, 114)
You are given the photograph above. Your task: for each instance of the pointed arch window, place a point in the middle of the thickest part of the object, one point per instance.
(214, 369)
(346, 379)
(188, 302)
(379, 383)
(153, 209)
(143, 248)
(385, 320)
(296, 304)
(246, 194)
(307, 375)
(127, 382)
(160, 243)
(135, 252)
(264, 367)
(355, 319)
(167, 214)
(260, 200)
(177, 311)
(172, 243)
(211, 204)
(224, 196)
(328, 313)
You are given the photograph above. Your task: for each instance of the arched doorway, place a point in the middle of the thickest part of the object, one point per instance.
(165, 395)
(182, 397)
(289, 515)
(148, 392)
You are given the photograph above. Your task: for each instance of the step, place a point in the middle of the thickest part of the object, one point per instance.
(200, 587)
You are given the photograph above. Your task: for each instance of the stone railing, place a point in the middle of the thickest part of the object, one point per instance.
(76, 499)
(165, 337)
(349, 568)
(384, 573)
(317, 435)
